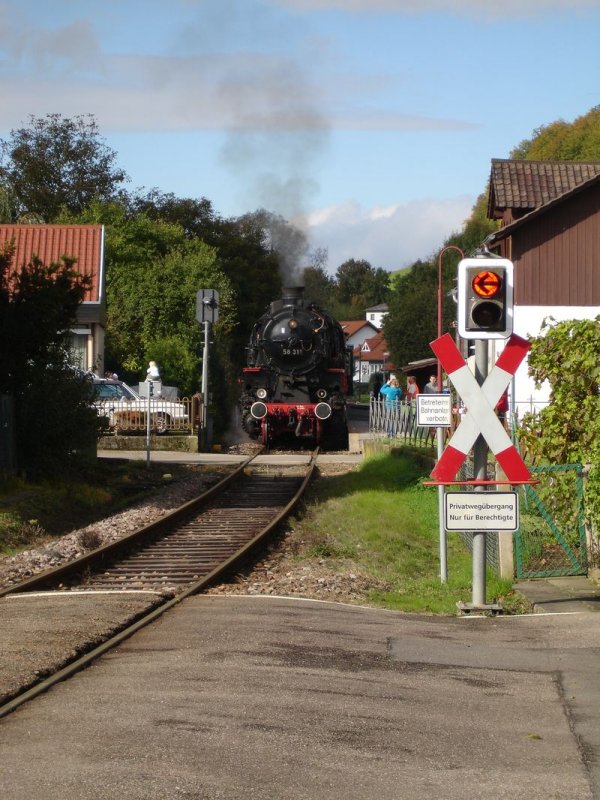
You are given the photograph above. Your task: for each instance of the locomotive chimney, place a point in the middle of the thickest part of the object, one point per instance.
(290, 294)
(291, 297)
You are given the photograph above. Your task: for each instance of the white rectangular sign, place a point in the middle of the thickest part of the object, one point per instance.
(434, 410)
(481, 511)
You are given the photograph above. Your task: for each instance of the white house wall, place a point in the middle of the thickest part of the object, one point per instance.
(528, 323)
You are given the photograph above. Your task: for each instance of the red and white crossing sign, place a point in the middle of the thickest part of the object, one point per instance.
(480, 402)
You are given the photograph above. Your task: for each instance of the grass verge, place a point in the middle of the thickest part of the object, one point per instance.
(34, 512)
(380, 521)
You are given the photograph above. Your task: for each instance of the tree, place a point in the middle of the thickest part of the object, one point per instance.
(197, 217)
(243, 249)
(55, 425)
(153, 274)
(58, 163)
(412, 319)
(358, 286)
(318, 286)
(568, 431)
(564, 141)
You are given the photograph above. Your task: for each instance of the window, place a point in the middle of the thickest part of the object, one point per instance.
(78, 344)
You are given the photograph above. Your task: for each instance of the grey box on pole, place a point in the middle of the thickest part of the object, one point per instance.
(207, 305)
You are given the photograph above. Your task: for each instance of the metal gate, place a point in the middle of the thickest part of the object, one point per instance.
(551, 539)
(399, 421)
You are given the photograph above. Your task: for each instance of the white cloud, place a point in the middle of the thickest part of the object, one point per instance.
(238, 92)
(476, 8)
(71, 69)
(390, 237)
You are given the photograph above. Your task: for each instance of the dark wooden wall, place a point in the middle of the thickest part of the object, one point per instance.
(557, 254)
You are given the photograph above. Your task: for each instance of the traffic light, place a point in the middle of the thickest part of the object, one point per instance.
(485, 298)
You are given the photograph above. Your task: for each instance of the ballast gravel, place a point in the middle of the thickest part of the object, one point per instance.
(59, 550)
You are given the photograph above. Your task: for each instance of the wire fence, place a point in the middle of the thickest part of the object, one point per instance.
(165, 416)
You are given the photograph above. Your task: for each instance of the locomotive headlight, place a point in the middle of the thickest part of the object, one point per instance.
(293, 324)
(322, 411)
(321, 394)
(258, 410)
(261, 393)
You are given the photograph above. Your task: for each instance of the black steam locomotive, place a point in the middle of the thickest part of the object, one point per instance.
(298, 374)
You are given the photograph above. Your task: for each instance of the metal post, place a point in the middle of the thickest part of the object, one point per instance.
(148, 426)
(440, 431)
(480, 454)
(204, 388)
(442, 530)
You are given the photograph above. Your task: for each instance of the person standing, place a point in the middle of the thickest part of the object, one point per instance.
(431, 387)
(392, 393)
(152, 373)
(412, 390)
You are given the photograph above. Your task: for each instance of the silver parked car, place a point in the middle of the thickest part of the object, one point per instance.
(125, 410)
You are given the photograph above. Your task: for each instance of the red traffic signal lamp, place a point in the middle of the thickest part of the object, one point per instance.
(485, 298)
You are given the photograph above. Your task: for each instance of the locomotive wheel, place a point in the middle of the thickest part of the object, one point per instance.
(265, 432)
(319, 438)
(336, 436)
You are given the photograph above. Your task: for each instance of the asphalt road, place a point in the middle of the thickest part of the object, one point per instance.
(258, 697)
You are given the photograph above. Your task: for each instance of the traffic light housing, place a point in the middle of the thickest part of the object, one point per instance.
(485, 298)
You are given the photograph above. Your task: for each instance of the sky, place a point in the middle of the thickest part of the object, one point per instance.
(370, 124)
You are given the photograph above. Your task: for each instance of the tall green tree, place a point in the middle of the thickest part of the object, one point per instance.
(412, 319)
(55, 425)
(58, 163)
(153, 274)
(358, 286)
(318, 286)
(245, 251)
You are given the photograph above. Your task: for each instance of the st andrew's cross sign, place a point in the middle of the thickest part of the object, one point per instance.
(480, 416)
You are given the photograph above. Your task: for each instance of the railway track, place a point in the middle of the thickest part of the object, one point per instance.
(188, 546)
(177, 556)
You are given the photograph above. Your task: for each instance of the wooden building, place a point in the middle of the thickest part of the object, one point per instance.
(85, 244)
(550, 213)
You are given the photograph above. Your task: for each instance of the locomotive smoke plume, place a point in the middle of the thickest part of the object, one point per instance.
(278, 134)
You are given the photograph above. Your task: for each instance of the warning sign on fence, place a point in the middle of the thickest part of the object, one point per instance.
(434, 410)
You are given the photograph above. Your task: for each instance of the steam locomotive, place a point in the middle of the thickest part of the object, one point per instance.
(298, 374)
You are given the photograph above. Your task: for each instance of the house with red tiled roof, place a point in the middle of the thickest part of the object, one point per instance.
(550, 215)
(357, 330)
(371, 357)
(84, 244)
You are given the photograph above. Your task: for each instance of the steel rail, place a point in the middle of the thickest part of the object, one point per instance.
(100, 553)
(86, 659)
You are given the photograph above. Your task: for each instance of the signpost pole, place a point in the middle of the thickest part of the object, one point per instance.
(442, 530)
(204, 386)
(435, 410)
(148, 421)
(480, 454)
(207, 311)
